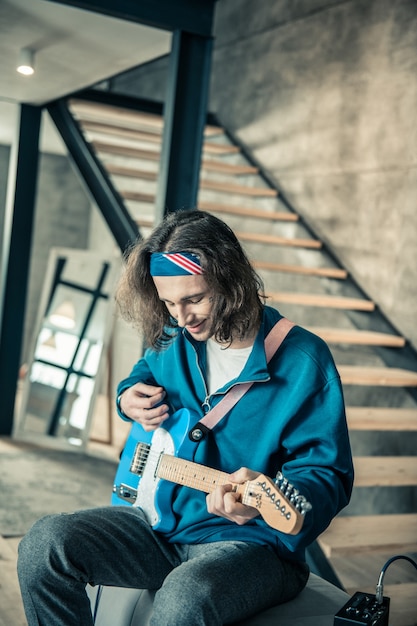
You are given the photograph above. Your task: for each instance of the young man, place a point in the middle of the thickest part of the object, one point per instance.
(198, 301)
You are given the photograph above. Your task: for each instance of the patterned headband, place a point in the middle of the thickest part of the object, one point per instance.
(175, 264)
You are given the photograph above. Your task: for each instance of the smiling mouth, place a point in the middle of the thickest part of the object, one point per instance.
(195, 327)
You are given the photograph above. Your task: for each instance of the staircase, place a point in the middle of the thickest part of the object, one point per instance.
(302, 279)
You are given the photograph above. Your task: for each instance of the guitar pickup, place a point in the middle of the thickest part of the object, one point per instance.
(125, 492)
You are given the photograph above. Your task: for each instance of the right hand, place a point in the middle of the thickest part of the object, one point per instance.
(142, 404)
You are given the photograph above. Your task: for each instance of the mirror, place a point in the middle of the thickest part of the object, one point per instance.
(68, 349)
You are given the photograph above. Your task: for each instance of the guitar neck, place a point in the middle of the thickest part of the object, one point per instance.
(191, 474)
(262, 493)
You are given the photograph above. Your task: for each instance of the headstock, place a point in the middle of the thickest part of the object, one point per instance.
(279, 503)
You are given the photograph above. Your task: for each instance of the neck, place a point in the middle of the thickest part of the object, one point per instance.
(245, 342)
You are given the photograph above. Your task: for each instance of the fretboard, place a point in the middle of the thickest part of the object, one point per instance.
(190, 474)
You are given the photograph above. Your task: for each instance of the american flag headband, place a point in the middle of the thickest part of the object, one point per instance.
(175, 264)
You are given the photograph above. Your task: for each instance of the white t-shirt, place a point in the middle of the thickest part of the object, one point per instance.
(224, 364)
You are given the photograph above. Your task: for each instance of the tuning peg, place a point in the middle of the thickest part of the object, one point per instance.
(288, 490)
(279, 476)
(292, 494)
(303, 505)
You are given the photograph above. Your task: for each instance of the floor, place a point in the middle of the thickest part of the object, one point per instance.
(11, 609)
(107, 441)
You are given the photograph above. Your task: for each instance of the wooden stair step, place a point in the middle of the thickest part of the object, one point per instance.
(370, 533)
(86, 111)
(131, 172)
(275, 216)
(133, 134)
(125, 118)
(278, 241)
(377, 376)
(327, 272)
(138, 196)
(358, 337)
(234, 169)
(355, 572)
(153, 136)
(155, 155)
(245, 190)
(145, 222)
(385, 471)
(381, 418)
(320, 300)
(220, 148)
(215, 185)
(128, 151)
(148, 222)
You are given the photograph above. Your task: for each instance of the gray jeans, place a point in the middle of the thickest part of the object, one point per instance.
(206, 584)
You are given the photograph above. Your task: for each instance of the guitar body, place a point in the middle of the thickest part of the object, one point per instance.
(146, 490)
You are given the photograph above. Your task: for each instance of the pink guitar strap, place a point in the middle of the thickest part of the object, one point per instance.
(273, 341)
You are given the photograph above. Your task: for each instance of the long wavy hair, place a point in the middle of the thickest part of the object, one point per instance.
(237, 288)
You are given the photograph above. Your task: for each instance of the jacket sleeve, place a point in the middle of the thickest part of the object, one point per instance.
(318, 461)
(140, 373)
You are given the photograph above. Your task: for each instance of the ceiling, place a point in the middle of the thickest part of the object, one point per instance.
(74, 49)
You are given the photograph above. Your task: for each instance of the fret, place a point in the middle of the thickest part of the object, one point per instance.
(191, 474)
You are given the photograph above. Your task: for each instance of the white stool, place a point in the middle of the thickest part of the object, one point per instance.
(316, 605)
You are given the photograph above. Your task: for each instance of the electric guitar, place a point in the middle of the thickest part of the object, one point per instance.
(150, 467)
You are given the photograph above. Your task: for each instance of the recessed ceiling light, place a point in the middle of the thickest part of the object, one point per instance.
(26, 62)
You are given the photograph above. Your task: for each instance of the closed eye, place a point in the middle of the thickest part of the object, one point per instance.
(194, 301)
(197, 299)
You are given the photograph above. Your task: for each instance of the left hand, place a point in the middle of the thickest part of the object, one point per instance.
(225, 502)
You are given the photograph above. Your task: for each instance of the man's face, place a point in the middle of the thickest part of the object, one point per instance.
(188, 300)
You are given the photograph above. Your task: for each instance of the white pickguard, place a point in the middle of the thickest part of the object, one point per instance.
(162, 443)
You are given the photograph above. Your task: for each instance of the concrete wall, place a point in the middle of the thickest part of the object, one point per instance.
(324, 94)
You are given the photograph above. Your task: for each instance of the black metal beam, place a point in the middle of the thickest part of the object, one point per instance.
(14, 301)
(184, 122)
(194, 16)
(108, 200)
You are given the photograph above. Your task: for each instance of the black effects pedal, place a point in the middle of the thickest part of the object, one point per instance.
(363, 610)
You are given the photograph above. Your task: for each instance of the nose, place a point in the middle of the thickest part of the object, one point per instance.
(182, 315)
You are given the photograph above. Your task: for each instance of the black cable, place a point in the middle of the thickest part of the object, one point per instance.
(380, 586)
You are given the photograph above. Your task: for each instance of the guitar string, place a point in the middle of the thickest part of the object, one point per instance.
(178, 469)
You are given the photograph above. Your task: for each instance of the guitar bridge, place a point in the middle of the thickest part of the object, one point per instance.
(125, 492)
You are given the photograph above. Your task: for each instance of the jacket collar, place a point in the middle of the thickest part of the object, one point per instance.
(256, 368)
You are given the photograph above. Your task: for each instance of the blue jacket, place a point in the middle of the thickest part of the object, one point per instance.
(292, 419)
